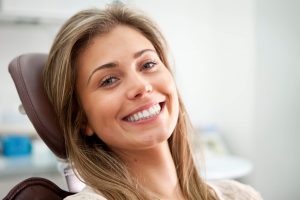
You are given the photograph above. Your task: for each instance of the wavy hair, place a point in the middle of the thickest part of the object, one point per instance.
(95, 163)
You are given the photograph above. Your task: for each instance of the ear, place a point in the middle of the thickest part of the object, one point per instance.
(88, 130)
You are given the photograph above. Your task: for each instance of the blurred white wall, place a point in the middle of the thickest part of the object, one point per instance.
(16, 39)
(236, 65)
(277, 97)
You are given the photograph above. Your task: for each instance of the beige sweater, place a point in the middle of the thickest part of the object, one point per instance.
(233, 190)
(225, 190)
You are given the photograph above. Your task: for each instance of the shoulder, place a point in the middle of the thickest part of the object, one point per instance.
(86, 194)
(233, 190)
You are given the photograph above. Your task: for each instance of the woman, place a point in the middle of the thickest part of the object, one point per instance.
(125, 125)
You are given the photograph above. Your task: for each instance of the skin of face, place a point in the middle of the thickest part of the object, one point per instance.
(120, 73)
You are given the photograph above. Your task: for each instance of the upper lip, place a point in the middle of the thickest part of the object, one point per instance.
(144, 107)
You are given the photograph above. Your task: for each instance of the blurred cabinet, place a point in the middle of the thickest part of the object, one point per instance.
(44, 11)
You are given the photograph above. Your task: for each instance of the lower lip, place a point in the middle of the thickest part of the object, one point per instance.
(149, 120)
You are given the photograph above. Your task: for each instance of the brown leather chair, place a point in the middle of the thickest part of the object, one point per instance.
(26, 71)
(36, 189)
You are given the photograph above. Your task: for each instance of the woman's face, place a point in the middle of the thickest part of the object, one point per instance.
(127, 93)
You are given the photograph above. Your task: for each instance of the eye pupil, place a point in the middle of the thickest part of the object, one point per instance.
(108, 81)
(149, 65)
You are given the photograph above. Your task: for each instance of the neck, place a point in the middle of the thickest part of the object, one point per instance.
(155, 170)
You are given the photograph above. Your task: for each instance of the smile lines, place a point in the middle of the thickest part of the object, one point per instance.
(145, 114)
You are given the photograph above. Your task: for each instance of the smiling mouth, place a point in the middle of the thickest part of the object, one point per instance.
(148, 113)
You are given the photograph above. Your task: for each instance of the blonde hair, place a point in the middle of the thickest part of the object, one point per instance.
(96, 164)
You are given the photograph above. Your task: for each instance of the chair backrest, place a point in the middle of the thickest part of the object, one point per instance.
(26, 71)
(36, 189)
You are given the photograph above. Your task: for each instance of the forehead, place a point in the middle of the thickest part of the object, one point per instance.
(119, 41)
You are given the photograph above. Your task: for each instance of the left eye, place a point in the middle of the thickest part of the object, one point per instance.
(149, 65)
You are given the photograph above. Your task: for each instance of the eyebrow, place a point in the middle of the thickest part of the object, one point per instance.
(112, 64)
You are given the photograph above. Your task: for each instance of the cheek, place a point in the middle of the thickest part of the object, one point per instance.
(168, 87)
(101, 112)
(103, 121)
(167, 84)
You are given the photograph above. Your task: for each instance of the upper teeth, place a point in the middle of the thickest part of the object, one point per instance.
(145, 114)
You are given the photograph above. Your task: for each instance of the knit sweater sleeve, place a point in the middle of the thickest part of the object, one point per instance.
(233, 190)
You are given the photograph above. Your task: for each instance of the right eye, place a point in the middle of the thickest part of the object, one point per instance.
(108, 81)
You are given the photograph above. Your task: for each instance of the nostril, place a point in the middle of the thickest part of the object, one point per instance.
(139, 92)
(138, 95)
(148, 88)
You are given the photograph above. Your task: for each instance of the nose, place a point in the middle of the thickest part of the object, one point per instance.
(139, 87)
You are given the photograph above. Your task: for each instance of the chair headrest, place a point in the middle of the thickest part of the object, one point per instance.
(26, 71)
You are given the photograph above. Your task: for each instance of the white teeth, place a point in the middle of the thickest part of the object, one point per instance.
(139, 115)
(152, 110)
(131, 118)
(145, 114)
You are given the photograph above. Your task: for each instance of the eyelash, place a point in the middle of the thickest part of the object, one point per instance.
(153, 63)
(104, 82)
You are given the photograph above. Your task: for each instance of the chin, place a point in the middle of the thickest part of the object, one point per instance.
(155, 140)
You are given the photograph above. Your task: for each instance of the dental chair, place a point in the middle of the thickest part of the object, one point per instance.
(26, 71)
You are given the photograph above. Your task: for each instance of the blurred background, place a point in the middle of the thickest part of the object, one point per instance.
(237, 66)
